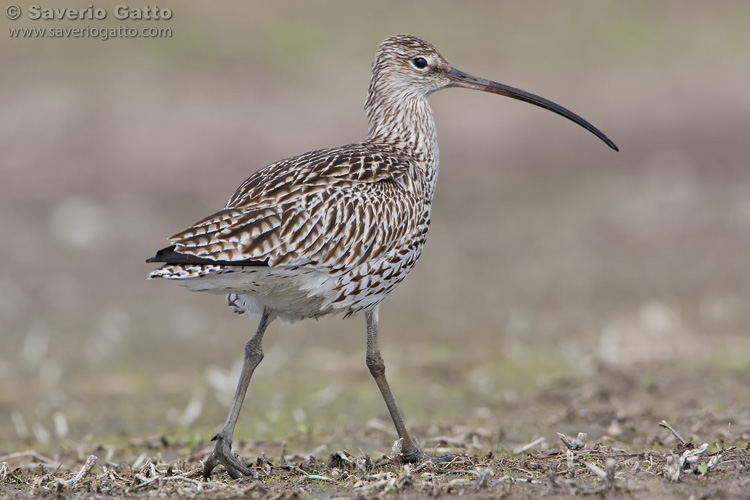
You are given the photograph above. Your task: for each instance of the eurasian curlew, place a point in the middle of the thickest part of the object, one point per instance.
(335, 230)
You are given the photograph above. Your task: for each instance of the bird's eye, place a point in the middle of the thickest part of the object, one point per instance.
(420, 62)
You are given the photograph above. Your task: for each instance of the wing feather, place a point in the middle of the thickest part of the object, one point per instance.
(334, 208)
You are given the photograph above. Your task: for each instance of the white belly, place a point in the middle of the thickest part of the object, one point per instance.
(294, 292)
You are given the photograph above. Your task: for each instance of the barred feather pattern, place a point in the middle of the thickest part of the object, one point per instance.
(333, 230)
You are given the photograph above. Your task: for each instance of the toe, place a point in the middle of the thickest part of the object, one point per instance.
(223, 454)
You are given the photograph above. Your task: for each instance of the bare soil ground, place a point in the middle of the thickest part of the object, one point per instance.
(632, 455)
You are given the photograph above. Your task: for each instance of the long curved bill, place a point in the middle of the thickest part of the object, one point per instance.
(461, 79)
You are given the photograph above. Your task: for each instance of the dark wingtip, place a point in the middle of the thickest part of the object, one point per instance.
(169, 255)
(161, 255)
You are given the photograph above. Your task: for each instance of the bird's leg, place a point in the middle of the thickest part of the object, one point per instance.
(410, 452)
(223, 453)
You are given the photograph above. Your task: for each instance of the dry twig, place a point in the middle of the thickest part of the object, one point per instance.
(528, 446)
(483, 482)
(90, 463)
(596, 469)
(315, 477)
(674, 465)
(28, 453)
(578, 444)
(666, 425)
(610, 466)
(159, 479)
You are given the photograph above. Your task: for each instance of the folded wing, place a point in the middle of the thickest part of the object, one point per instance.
(333, 208)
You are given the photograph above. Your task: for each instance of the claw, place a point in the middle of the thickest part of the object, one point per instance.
(223, 454)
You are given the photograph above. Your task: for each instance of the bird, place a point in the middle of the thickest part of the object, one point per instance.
(335, 230)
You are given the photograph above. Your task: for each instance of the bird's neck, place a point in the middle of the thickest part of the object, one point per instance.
(403, 120)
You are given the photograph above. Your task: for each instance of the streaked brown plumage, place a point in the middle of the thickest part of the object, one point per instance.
(355, 213)
(335, 230)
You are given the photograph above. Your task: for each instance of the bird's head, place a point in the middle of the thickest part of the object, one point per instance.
(406, 67)
(405, 63)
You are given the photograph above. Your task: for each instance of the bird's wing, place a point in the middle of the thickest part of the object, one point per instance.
(334, 208)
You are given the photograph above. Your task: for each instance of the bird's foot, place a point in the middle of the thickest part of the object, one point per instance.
(224, 455)
(410, 454)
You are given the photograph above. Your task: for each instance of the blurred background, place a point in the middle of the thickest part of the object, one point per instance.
(551, 258)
